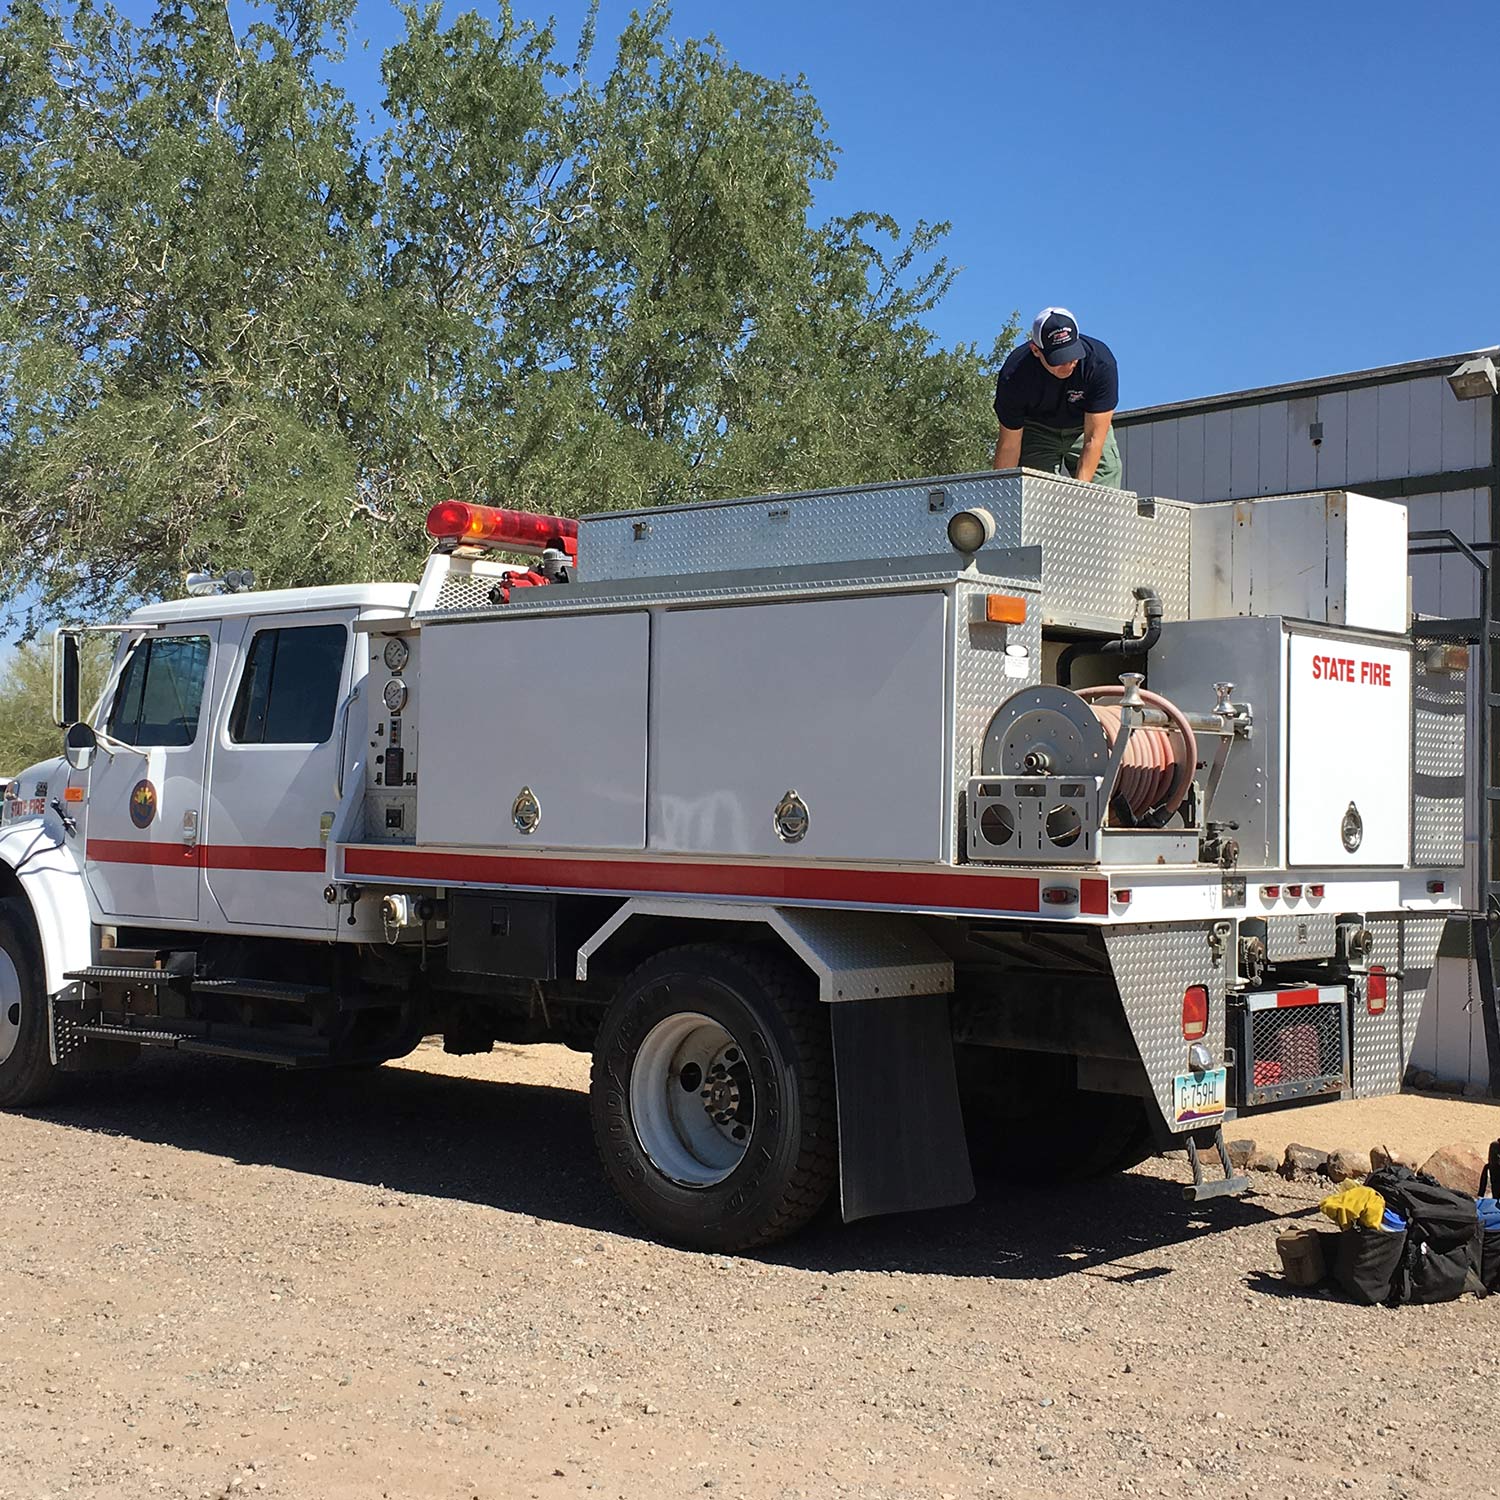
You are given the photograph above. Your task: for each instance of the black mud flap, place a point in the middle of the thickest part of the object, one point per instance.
(901, 1128)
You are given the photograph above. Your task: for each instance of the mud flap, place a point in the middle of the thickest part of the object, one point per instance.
(901, 1128)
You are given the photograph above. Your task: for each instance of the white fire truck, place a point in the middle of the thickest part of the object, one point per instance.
(856, 833)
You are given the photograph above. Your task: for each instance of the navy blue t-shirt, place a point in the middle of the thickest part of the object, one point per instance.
(1027, 393)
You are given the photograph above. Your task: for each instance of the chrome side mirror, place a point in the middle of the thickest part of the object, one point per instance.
(79, 744)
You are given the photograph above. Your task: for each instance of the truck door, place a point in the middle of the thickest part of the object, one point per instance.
(145, 789)
(274, 769)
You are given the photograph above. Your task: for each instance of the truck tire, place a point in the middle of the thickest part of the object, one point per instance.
(712, 1097)
(26, 1073)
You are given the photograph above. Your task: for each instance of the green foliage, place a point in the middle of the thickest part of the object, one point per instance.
(27, 733)
(233, 331)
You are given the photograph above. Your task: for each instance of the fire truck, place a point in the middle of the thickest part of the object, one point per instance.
(860, 835)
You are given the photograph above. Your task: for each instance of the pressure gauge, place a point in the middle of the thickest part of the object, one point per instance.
(395, 695)
(396, 653)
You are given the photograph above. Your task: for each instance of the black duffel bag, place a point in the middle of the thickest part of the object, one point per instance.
(1443, 1237)
(1366, 1263)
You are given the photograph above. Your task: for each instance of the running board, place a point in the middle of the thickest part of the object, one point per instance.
(1200, 1188)
(281, 1054)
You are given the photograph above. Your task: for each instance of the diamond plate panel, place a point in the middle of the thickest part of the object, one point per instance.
(865, 956)
(1311, 934)
(1097, 546)
(1153, 966)
(982, 680)
(1438, 782)
(1379, 1056)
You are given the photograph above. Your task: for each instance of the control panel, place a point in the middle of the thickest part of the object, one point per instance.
(391, 766)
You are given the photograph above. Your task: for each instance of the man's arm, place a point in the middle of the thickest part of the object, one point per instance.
(1008, 448)
(1095, 430)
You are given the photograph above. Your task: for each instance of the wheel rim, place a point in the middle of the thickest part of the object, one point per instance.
(692, 1100)
(10, 1006)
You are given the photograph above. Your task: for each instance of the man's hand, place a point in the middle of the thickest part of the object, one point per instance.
(1008, 448)
(1095, 431)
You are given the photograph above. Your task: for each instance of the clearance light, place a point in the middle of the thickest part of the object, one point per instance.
(1194, 1013)
(1059, 895)
(1436, 887)
(1005, 609)
(1375, 990)
(1123, 897)
(1316, 892)
(1294, 892)
(488, 526)
(1270, 892)
(970, 530)
(72, 794)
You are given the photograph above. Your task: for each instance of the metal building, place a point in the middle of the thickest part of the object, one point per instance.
(1426, 432)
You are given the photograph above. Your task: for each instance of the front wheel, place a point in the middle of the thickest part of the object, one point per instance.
(26, 1072)
(712, 1097)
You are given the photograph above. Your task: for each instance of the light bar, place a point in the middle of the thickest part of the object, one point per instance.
(515, 530)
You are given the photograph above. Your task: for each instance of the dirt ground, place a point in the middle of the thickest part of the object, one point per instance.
(1413, 1124)
(218, 1281)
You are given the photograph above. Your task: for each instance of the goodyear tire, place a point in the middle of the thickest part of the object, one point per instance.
(712, 1097)
(26, 1073)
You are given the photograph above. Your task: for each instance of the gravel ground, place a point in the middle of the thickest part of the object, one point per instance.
(220, 1281)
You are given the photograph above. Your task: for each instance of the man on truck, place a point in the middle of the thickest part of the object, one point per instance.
(1056, 398)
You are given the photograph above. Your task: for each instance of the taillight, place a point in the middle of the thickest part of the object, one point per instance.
(489, 526)
(1375, 990)
(1194, 1013)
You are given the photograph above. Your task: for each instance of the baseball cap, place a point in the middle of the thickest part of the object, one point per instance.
(1054, 331)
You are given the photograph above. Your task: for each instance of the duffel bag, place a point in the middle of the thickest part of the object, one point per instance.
(1367, 1262)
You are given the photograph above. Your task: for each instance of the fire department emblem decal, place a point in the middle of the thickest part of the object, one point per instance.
(142, 804)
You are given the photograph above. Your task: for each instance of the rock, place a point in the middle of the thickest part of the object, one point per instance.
(1420, 1078)
(1261, 1160)
(1305, 1161)
(1383, 1156)
(1240, 1152)
(1347, 1164)
(1456, 1167)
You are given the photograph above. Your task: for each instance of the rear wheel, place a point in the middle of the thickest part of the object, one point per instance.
(712, 1097)
(26, 1072)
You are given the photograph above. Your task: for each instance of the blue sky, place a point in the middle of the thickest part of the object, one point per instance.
(1229, 195)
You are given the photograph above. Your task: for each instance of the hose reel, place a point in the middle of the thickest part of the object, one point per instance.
(1133, 749)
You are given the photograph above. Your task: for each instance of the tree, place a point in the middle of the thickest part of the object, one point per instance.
(232, 330)
(27, 733)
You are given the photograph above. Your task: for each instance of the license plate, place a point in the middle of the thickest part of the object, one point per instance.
(1199, 1096)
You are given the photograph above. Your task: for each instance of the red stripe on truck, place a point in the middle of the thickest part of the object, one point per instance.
(765, 882)
(208, 856)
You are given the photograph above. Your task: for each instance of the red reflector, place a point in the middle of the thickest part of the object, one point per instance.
(1059, 895)
(1294, 891)
(1315, 890)
(1375, 990)
(1296, 997)
(1270, 892)
(489, 526)
(1194, 1013)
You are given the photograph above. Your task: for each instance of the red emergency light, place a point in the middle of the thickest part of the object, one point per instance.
(514, 530)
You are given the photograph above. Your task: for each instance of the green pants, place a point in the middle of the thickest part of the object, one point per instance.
(1056, 450)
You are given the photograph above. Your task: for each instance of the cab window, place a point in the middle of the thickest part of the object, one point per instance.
(161, 691)
(288, 693)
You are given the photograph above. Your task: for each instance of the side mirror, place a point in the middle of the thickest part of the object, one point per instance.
(65, 678)
(79, 744)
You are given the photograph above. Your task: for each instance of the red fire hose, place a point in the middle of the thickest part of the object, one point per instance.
(1159, 762)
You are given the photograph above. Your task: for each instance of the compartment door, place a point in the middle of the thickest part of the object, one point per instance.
(839, 700)
(1348, 753)
(554, 707)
